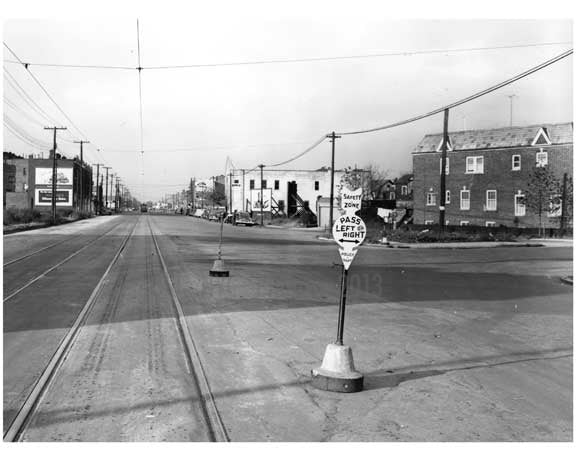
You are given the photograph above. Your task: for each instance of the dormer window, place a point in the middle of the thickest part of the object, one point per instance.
(448, 146)
(541, 138)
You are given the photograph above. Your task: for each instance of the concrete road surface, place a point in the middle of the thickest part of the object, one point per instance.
(455, 345)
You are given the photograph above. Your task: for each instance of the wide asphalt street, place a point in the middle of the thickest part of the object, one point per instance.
(454, 344)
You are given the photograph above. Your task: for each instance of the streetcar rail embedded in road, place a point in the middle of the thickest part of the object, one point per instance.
(18, 425)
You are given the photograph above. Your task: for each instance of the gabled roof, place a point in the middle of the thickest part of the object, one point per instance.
(560, 133)
(405, 178)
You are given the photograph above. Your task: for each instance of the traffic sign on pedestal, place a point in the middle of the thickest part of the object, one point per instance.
(337, 371)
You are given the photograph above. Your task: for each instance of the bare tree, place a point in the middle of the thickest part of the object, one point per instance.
(370, 179)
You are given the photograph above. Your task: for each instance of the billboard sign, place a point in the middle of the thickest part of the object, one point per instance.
(261, 200)
(44, 197)
(63, 176)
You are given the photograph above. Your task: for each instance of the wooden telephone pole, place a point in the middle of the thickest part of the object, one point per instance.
(333, 138)
(54, 172)
(81, 173)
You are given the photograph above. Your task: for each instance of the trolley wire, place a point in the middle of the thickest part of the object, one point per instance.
(299, 60)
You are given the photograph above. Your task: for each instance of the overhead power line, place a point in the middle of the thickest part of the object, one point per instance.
(49, 96)
(465, 100)
(23, 139)
(13, 83)
(299, 60)
(24, 133)
(313, 146)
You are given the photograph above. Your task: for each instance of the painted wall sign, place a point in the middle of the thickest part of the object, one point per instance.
(44, 197)
(43, 176)
(259, 203)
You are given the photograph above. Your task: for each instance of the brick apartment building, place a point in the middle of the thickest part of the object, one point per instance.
(487, 173)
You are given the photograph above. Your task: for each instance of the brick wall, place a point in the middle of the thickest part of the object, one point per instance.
(498, 175)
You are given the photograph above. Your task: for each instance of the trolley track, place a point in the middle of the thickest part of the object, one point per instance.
(17, 425)
(211, 413)
(57, 265)
(209, 416)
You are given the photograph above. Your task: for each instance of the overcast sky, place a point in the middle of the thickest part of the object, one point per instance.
(196, 118)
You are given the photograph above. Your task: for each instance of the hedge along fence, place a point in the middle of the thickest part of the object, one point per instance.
(27, 216)
(413, 233)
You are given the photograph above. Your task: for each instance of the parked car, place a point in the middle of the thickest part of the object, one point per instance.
(215, 215)
(243, 219)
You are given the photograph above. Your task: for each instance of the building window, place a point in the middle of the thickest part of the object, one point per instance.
(316, 185)
(491, 200)
(431, 199)
(264, 184)
(23, 171)
(392, 196)
(428, 222)
(464, 223)
(251, 184)
(464, 199)
(447, 200)
(236, 181)
(447, 166)
(541, 159)
(475, 165)
(516, 163)
(276, 184)
(490, 224)
(404, 190)
(519, 205)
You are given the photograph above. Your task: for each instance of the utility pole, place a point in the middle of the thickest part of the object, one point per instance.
(243, 190)
(54, 175)
(442, 220)
(81, 173)
(261, 195)
(230, 189)
(98, 165)
(333, 138)
(563, 204)
(106, 196)
(118, 196)
(511, 97)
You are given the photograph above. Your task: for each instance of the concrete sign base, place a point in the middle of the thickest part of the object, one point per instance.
(218, 269)
(337, 373)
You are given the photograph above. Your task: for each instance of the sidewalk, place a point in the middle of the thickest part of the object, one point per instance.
(429, 374)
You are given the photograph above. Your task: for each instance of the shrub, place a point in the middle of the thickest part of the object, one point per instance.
(20, 216)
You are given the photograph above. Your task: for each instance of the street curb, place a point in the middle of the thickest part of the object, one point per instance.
(433, 246)
(471, 246)
(25, 228)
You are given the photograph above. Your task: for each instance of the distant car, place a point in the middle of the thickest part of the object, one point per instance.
(143, 208)
(243, 219)
(215, 215)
